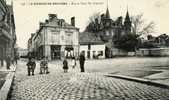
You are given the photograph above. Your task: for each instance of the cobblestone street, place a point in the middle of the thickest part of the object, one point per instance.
(79, 86)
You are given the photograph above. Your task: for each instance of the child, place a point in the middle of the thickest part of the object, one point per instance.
(31, 66)
(65, 65)
(73, 62)
(44, 66)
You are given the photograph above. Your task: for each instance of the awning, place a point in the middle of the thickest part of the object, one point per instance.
(69, 47)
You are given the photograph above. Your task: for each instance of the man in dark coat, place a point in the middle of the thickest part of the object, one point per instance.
(8, 62)
(65, 65)
(31, 66)
(82, 61)
(16, 57)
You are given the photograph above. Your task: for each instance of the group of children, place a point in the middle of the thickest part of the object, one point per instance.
(31, 65)
(65, 64)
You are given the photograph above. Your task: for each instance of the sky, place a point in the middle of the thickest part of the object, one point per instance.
(28, 15)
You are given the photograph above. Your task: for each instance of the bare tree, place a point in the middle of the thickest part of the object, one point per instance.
(93, 22)
(140, 27)
(94, 16)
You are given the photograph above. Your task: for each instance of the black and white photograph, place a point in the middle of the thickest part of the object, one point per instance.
(84, 50)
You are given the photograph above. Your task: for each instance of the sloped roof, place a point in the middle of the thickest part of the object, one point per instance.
(10, 9)
(54, 22)
(89, 38)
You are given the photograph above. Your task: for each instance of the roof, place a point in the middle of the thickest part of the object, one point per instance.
(56, 22)
(89, 38)
(107, 13)
(10, 9)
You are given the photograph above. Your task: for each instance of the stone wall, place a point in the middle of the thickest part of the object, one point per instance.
(153, 52)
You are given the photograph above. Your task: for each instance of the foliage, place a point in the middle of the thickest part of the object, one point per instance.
(93, 23)
(128, 42)
(140, 26)
(132, 41)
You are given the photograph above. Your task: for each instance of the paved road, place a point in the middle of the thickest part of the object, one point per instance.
(79, 86)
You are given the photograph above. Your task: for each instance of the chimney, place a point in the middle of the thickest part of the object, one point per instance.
(41, 24)
(46, 21)
(51, 16)
(73, 21)
(32, 34)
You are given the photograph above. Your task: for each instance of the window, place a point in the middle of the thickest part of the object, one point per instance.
(55, 36)
(94, 54)
(88, 54)
(100, 53)
(89, 46)
(69, 38)
(107, 33)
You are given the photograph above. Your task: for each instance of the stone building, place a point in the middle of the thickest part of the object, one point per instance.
(22, 52)
(92, 46)
(7, 31)
(56, 39)
(110, 30)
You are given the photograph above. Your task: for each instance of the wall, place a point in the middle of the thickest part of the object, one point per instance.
(119, 52)
(153, 52)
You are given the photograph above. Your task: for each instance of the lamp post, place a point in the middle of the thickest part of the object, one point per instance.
(44, 42)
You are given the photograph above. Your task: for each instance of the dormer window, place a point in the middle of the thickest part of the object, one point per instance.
(107, 33)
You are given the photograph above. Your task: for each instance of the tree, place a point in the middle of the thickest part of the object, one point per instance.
(128, 42)
(140, 27)
(131, 41)
(93, 23)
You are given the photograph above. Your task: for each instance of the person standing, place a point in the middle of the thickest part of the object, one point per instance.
(8, 62)
(73, 62)
(44, 66)
(31, 66)
(16, 57)
(2, 62)
(82, 61)
(65, 65)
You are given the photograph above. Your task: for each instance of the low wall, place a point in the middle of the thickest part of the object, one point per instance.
(119, 52)
(153, 52)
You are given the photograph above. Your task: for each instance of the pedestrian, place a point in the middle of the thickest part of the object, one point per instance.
(31, 65)
(65, 65)
(2, 61)
(8, 62)
(44, 66)
(15, 59)
(82, 61)
(73, 62)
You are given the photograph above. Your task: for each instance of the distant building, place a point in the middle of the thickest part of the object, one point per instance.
(91, 45)
(110, 30)
(22, 52)
(7, 31)
(156, 41)
(55, 39)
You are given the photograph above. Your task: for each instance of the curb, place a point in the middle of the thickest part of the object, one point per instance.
(145, 81)
(5, 90)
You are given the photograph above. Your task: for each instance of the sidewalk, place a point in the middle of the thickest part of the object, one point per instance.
(7, 81)
(162, 78)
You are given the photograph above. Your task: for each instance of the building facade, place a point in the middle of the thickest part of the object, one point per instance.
(55, 39)
(22, 52)
(91, 46)
(7, 31)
